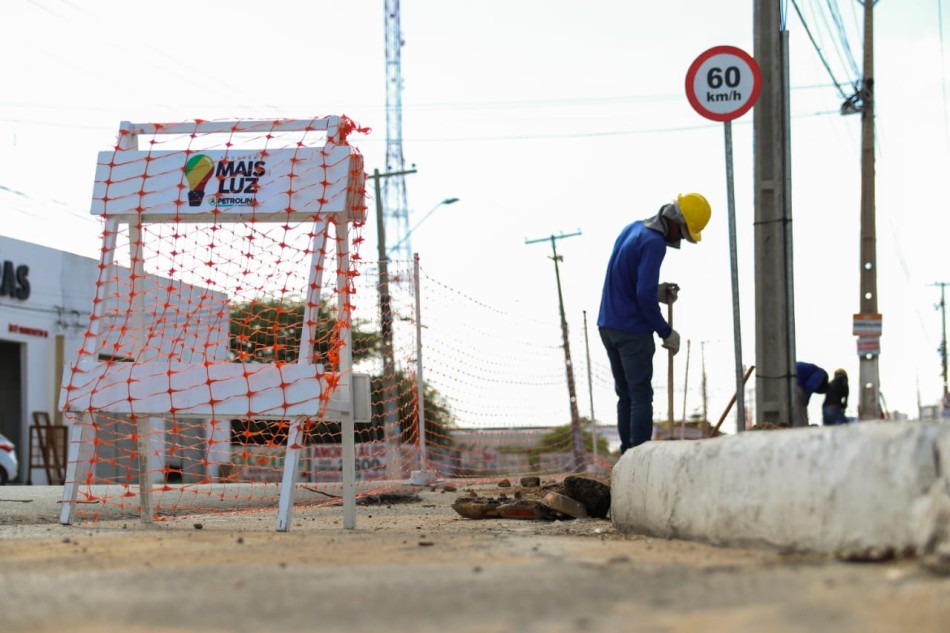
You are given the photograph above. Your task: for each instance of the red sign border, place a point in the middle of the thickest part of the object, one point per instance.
(720, 50)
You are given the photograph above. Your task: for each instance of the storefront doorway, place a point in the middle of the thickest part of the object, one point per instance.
(11, 396)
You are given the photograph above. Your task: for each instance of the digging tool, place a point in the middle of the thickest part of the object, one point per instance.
(669, 366)
(745, 379)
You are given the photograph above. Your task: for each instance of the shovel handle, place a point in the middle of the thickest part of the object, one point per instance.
(669, 374)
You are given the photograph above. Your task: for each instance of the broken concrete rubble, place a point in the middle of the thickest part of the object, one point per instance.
(594, 493)
(578, 496)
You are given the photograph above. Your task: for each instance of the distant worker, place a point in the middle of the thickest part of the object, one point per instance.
(630, 308)
(836, 400)
(809, 379)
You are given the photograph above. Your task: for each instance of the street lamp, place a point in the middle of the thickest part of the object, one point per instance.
(405, 237)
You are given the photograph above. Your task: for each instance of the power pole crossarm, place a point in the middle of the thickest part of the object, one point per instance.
(552, 238)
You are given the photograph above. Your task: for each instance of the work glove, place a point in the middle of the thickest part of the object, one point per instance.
(667, 293)
(672, 342)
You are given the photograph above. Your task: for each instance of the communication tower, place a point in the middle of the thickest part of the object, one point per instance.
(395, 208)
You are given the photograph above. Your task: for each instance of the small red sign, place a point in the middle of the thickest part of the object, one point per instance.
(28, 331)
(867, 325)
(869, 345)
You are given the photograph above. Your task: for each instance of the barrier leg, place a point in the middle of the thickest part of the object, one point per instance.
(349, 472)
(78, 464)
(289, 481)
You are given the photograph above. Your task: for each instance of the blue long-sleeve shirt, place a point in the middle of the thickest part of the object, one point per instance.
(809, 377)
(629, 300)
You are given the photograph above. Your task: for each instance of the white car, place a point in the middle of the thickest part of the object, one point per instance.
(9, 468)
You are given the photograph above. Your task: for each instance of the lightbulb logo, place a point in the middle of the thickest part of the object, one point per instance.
(198, 171)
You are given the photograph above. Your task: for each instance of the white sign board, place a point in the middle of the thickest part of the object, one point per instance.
(209, 183)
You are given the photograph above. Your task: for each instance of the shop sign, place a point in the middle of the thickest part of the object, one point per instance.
(14, 282)
(28, 331)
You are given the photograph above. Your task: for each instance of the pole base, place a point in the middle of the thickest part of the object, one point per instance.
(423, 477)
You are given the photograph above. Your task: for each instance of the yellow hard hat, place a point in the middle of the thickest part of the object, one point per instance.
(696, 212)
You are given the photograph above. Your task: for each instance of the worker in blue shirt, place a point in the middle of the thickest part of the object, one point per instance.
(809, 379)
(630, 311)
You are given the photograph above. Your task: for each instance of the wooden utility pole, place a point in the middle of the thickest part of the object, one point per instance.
(579, 455)
(685, 391)
(704, 426)
(774, 282)
(390, 395)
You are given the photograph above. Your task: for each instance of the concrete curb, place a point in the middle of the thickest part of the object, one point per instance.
(873, 485)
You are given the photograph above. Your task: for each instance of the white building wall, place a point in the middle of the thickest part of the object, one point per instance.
(57, 307)
(61, 291)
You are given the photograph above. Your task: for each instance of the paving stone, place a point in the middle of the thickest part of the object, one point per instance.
(565, 505)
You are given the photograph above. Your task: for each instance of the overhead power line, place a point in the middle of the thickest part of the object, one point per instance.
(818, 50)
(943, 74)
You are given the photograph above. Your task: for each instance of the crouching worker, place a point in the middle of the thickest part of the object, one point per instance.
(810, 379)
(836, 400)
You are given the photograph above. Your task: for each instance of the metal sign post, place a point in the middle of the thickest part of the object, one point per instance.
(722, 84)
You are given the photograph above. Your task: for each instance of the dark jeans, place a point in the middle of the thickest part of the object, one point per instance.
(631, 362)
(833, 415)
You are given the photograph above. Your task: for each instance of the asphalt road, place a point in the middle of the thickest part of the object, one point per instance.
(420, 567)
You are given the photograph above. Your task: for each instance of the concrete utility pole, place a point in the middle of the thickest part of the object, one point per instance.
(869, 403)
(579, 455)
(390, 393)
(775, 354)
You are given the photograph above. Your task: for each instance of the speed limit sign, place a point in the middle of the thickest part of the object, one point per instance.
(723, 83)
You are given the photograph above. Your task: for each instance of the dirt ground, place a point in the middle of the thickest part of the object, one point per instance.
(420, 567)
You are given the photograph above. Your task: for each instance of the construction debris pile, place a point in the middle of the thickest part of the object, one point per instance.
(577, 497)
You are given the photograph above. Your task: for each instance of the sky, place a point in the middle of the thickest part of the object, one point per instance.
(542, 117)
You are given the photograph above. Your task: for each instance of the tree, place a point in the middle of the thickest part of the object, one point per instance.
(269, 331)
(438, 417)
(560, 438)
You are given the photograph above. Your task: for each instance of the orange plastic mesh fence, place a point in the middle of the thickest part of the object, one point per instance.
(496, 401)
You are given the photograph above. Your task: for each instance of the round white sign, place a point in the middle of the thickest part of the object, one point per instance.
(723, 83)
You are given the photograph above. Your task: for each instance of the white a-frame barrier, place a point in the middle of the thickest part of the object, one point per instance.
(312, 184)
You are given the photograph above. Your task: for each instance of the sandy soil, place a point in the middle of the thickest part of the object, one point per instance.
(421, 567)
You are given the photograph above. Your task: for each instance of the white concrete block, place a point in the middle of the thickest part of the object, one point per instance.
(827, 489)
